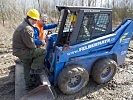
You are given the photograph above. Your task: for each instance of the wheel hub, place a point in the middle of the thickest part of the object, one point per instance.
(106, 72)
(74, 81)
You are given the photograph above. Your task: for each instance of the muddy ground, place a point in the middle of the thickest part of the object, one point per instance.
(119, 88)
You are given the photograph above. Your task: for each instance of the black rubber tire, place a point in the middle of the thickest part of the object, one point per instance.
(72, 79)
(104, 70)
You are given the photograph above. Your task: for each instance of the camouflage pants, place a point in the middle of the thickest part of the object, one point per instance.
(33, 59)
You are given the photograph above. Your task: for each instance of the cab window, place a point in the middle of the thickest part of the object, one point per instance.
(93, 26)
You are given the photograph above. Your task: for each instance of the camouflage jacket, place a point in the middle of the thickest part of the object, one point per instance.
(23, 40)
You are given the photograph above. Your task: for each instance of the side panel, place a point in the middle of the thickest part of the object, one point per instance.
(50, 46)
(88, 60)
(87, 48)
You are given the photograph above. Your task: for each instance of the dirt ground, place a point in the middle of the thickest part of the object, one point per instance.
(119, 88)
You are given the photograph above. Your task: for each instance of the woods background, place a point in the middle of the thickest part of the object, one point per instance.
(13, 11)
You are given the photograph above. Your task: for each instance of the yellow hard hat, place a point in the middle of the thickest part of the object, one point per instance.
(34, 14)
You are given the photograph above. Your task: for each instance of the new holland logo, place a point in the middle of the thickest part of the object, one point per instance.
(123, 37)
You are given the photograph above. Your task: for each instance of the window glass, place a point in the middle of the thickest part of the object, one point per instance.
(70, 22)
(93, 26)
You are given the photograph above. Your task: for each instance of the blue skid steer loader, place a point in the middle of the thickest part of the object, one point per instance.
(85, 45)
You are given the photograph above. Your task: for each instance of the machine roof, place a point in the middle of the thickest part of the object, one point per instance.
(76, 8)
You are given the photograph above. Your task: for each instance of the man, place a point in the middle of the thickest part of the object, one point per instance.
(39, 30)
(24, 47)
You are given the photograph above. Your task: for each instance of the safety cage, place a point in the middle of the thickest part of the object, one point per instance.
(80, 24)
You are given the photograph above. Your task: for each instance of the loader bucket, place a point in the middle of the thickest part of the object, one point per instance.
(42, 92)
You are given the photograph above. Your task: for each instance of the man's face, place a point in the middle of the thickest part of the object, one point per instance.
(43, 21)
(32, 21)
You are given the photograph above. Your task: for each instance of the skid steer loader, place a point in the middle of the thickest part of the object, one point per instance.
(84, 45)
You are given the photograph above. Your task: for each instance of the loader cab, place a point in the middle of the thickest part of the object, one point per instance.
(80, 24)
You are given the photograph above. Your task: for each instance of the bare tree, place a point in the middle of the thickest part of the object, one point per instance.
(91, 2)
(2, 6)
(82, 2)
